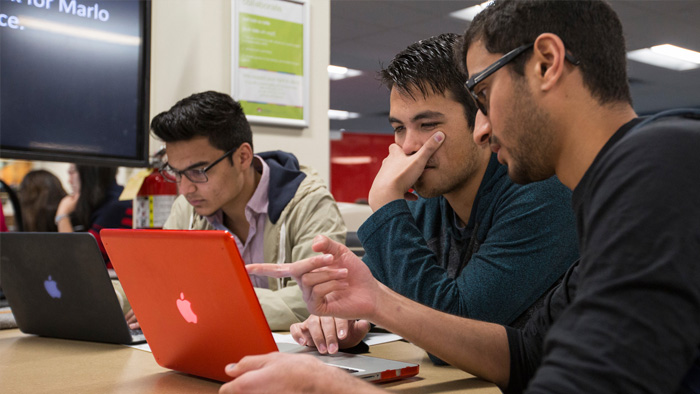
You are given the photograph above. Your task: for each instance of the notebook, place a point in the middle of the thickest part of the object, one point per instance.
(57, 285)
(198, 309)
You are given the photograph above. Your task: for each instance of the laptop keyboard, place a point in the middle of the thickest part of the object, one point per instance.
(137, 335)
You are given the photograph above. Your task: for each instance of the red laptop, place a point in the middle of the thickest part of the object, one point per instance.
(197, 307)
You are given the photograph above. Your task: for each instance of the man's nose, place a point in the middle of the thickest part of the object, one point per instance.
(412, 142)
(186, 186)
(482, 129)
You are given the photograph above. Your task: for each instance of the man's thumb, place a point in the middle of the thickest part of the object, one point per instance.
(431, 145)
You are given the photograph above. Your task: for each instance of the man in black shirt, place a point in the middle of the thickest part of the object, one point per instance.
(549, 78)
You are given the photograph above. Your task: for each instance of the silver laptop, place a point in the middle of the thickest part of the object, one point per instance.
(57, 285)
(198, 309)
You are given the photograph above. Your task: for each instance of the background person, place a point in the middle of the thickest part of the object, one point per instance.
(94, 203)
(39, 194)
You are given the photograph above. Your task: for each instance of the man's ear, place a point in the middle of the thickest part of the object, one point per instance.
(550, 60)
(243, 156)
(482, 130)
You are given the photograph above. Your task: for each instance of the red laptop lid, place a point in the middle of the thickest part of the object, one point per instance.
(181, 285)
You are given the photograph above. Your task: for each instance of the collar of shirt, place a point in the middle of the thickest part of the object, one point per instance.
(258, 201)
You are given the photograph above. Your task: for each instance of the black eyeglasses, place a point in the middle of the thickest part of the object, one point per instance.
(198, 175)
(497, 65)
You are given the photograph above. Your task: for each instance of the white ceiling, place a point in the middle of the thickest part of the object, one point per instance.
(366, 34)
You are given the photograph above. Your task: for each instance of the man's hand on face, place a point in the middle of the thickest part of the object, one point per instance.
(400, 172)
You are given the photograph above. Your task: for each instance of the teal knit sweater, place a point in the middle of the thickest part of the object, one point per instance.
(519, 241)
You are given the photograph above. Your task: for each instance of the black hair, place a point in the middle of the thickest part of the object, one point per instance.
(590, 30)
(209, 114)
(39, 194)
(429, 66)
(94, 185)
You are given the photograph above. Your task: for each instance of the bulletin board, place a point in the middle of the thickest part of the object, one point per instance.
(270, 60)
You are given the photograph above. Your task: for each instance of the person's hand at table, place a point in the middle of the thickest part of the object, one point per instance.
(302, 374)
(336, 283)
(399, 172)
(131, 320)
(328, 334)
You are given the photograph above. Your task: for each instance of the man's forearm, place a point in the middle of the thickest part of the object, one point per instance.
(476, 347)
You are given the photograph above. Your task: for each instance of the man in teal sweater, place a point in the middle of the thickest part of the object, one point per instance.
(474, 244)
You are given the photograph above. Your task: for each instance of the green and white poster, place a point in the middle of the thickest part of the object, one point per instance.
(270, 60)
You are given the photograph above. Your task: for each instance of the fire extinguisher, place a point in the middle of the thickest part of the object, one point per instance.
(155, 197)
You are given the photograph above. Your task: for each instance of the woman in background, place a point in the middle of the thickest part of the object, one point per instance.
(39, 194)
(94, 203)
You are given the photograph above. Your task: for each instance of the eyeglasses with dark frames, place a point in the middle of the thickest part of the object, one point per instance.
(497, 65)
(197, 175)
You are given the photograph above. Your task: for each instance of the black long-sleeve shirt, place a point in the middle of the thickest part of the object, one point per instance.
(626, 317)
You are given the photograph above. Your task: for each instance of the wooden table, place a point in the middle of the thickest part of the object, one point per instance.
(30, 364)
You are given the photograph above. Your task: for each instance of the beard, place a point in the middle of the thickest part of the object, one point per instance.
(532, 138)
(446, 181)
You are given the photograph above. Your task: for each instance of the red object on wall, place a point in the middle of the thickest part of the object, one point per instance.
(355, 160)
(155, 184)
(153, 201)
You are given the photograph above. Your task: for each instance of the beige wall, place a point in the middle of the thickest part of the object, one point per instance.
(191, 52)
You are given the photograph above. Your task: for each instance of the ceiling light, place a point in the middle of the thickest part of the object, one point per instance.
(337, 72)
(342, 115)
(667, 56)
(677, 52)
(469, 13)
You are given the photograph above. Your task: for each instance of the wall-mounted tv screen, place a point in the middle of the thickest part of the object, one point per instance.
(74, 81)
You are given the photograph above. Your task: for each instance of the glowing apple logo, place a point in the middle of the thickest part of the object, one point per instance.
(52, 288)
(185, 308)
